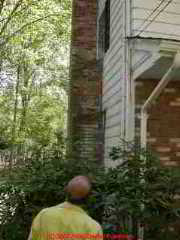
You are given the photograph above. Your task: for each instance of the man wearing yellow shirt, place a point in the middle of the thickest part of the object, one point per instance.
(67, 220)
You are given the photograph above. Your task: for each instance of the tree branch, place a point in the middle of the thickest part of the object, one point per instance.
(17, 5)
(17, 12)
(1, 5)
(24, 26)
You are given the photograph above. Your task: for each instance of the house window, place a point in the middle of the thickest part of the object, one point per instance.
(104, 31)
(107, 25)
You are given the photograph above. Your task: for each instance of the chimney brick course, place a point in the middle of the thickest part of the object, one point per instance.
(84, 118)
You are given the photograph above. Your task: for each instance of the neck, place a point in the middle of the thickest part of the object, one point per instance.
(77, 201)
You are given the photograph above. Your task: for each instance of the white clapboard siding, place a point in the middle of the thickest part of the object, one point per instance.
(112, 133)
(116, 46)
(114, 82)
(111, 142)
(112, 99)
(113, 68)
(113, 117)
(165, 25)
(114, 111)
(113, 74)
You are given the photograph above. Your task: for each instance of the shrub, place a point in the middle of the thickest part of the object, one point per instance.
(39, 183)
(144, 193)
(138, 190)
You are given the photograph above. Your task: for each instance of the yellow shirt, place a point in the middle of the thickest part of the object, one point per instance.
(65, 221)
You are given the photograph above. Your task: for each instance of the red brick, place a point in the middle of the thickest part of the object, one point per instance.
(163, 122)
(85, 82)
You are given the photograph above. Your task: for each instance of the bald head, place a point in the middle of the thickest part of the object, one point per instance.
(79, 187)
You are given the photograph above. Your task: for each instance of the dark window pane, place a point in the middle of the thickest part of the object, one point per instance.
(104, 31)
(107, 25)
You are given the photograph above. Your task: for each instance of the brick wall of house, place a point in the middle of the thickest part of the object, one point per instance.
(85, 82)
(163, 122)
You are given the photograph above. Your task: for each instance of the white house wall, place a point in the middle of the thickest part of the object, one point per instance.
(140, 57)
(165, 25)
(113, 76)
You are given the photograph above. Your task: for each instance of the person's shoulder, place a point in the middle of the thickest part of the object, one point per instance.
(49, 210)
(93, 223)
(46, 211)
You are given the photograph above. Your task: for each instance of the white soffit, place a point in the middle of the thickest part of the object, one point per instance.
(145, 54)
(159, 55)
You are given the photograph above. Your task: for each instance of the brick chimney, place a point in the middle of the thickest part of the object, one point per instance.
(84, 122)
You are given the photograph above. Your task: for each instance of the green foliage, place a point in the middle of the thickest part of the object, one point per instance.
(40, 183)
(34, 52)
(143, 191)
(137, 190)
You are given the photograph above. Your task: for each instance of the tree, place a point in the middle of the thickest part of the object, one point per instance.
(34, 51)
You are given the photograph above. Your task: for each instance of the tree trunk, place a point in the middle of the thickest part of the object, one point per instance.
(13, 136)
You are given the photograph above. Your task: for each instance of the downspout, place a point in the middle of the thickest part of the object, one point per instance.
(144, 115)
(154, 95)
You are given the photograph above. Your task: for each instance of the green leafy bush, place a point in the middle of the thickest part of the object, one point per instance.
(137, 190)
(143, 193)
(40, 183)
